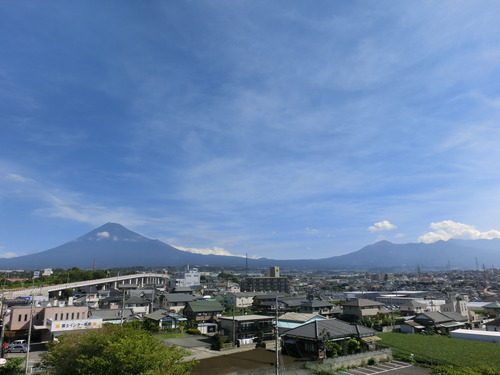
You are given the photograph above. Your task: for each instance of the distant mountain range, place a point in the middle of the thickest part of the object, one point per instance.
(114, 246)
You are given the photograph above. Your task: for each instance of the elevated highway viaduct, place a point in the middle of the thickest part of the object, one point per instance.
(138, 279)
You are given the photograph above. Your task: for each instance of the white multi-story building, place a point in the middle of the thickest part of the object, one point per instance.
(189, 278)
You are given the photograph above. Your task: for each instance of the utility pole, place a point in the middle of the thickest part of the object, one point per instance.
(234, 322)
(123, 306)
(276, 339)
(29, 332)
(246, 264)
(2, 335)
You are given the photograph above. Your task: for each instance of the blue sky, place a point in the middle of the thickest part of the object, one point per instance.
(284, 129)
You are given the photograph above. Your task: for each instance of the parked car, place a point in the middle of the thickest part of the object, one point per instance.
(16, 348)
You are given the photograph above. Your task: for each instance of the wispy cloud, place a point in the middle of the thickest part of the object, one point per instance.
(318, 233)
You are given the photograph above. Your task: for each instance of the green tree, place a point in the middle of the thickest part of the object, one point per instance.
(114, 350)
(12, 367)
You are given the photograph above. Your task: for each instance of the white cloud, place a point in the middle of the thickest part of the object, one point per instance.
(208, 251)
(7, 254)
(381, 226)
(61, 204)
(103, 235)
(312, 232)
(16, 178)
(317, 233)
(448, 229)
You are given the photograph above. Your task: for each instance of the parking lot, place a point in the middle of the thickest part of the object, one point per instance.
(392, 368)
(35, 350)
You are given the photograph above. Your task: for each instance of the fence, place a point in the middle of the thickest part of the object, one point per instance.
(355, 360)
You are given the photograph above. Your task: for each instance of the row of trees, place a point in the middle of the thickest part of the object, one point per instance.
(59, 276)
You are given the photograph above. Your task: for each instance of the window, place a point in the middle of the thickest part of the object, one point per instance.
(55, 317)
(25, 317)
(67, 316)
(19, 318)
(77, 315)
(72, 315)
(309, 346)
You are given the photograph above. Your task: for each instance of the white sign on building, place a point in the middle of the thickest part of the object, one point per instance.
(73, 325)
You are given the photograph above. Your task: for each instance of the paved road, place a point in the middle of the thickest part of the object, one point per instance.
(199, 347)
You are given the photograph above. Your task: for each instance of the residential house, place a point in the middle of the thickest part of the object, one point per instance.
(138, 305)
(360, 308)
(182, 289)
(440, 322)
(244, 329)
(266, 303)
(292, 320)
(492, 308)
(412, 307)
(166, 319)
(308, 340)
(241, 300)
(115, 315)
(493, 325)
(88, 295)
(176, 302)
(203, 311)
(317, 307)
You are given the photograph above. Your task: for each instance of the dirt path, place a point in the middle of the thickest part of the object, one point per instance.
(241, 361)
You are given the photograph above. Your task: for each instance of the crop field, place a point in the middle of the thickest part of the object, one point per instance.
(442, 350)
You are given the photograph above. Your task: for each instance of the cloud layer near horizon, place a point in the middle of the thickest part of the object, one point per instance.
(448, 229)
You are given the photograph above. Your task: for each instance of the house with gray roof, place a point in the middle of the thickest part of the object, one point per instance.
(166, 319)
(308, 340)
(493, 325)
(440, 322)
(114, 316)
(314, 306)
(176, 301)
(492, 308)
(292, 320)
(138, 305)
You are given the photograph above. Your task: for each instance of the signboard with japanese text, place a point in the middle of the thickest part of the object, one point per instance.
(73, 325)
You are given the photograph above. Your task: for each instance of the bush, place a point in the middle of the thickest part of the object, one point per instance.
(193, 331)
(12, 367)
(332, 349)
(218, 342)
(372, 362)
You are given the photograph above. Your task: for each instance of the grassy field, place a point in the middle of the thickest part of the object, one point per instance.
(442, 350)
